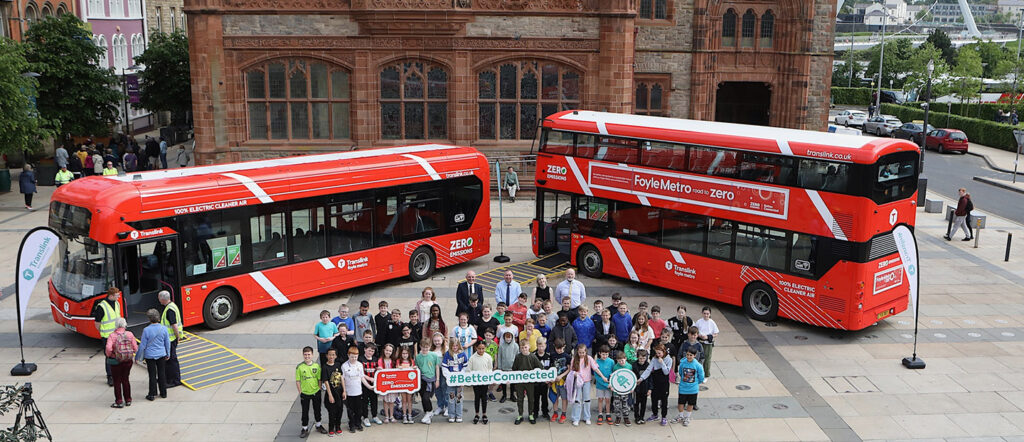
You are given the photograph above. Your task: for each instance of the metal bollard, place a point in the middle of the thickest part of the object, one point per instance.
(1009, 238)
(977, 232)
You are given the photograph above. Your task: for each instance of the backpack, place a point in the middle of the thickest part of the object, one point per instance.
(88, 162)
(123, 351)
(970, 205)
(130, 162)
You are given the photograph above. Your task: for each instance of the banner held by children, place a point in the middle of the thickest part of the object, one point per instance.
(460, 379)
(396, 380)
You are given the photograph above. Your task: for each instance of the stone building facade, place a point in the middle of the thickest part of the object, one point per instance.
(285, 77)
(164, 16)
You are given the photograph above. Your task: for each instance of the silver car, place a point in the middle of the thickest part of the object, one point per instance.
(882, 125)
(851, 118)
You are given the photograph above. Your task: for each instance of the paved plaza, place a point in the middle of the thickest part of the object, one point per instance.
(783, 381)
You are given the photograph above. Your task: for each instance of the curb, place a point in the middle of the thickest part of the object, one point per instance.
(992, 165)
(997, 183)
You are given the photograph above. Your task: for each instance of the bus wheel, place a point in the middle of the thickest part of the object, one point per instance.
(221, 308)
(590, 262)
(421, 264)
(760, 302)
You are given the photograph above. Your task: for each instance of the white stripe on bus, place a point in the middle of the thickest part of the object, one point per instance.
(826, 215)
(426, 166)
(677, 256)
(326, 263)
(784, 147)
(623, 258)
(256, 190)
(269, 287)
(579, 176)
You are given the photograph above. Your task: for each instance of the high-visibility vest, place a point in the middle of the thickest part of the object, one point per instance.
(64, 177)
(163, 319)
(110, 314)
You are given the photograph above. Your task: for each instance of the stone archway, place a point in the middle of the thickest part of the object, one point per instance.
(745, 102)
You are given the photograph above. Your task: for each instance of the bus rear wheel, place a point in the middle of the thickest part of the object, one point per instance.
(221, 308)
(590, 262)
(421, 264)
(761, 302)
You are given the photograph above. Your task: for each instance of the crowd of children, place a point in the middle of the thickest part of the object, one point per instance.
(584, 350)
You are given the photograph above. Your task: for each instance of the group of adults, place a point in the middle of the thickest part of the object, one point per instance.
(125, 152)
(158, 347)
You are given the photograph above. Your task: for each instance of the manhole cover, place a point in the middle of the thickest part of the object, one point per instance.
(974, 335)
(742, 387)
(800, 338)
(735, 407)
(780, 406)
(940, 335)
(768, 324)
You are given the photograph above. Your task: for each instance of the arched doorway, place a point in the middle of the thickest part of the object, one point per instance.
(743, 102)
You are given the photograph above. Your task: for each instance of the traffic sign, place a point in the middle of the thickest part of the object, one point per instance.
(396, 380)
(622, 381)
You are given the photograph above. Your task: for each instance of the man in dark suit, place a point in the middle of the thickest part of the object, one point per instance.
(466, 288)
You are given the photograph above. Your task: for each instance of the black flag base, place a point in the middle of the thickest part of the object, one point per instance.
(502, 258)
(23, 369)
(913, 363)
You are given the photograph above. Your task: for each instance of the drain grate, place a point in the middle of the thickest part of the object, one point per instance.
(270, 386)
(851, 384)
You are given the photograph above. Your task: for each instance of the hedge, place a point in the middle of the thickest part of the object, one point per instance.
(984, 111)
(984, 132)
(851, 95)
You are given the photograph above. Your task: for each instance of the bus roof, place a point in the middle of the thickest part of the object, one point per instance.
(795, 142)
(196, 189)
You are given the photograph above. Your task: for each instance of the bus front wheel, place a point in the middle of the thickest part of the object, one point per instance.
(421, 264)
(589, 261)
(761, 302)
(221, 308)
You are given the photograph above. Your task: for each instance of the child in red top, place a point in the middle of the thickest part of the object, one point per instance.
(656, 322)
(519, 311)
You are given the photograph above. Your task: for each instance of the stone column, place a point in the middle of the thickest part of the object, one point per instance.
(208, 92)
(615, 79)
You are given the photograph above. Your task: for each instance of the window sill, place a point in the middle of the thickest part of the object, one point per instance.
(656, 22)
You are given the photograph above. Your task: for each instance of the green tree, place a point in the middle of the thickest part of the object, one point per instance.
(165, 83)
(21, 128)
(966, 79)
(76, 96)
(991, 55)
(917, 76)
(897, 52)
(940, 40)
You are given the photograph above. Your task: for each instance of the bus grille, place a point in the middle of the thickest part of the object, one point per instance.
(882, 246)
(832, 303)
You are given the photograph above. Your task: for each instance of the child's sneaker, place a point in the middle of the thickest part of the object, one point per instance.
(653, 417)
(600, 419)
(305, 433)
(426, 418)
(664, 422)
(561, 420)
(451, 419)
(627, 421)
(588, 421)
(618, 421)
(686, 422)
(366, 422)
(377, 421)
(554, 417)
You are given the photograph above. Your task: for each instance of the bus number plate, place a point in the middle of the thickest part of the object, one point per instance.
(70, 327)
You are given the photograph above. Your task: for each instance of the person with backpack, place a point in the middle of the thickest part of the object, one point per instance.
(130, 161)
(963, 208)
(156, 349)
(121, 349)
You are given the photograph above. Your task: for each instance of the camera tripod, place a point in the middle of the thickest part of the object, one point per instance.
(34, 422)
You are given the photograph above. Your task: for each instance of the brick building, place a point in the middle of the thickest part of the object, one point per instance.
(283, 77)
(16, 16)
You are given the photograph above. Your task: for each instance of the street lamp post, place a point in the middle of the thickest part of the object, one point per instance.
(881, 59)
(124, 84)
(849, 81)
(922, 181)
(1016, 67)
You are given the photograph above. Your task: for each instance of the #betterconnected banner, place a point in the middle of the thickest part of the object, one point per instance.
(462, 378)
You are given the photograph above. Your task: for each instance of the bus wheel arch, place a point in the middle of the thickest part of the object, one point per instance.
(422, 263)
(222, 307)
(590, 261)
(761, 302)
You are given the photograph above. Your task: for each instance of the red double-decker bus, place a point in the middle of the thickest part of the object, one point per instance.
(784, 222)
(234, 238)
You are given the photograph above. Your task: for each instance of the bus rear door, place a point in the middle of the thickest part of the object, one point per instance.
(145, 269)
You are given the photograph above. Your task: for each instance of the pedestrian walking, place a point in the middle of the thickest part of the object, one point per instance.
(964, 206)
(163, 153)
(120, 350)
(27, 182)
(61, 156)
(511, 183)
(155, 349)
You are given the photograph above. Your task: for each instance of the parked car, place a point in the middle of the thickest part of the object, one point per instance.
(882, 125)
(851, 118)
(910, 131)
(946, 140)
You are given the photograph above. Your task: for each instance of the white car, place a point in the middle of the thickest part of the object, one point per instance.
(852, 118)
(882, 125)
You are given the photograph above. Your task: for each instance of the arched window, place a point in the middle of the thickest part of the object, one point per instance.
(134, 9)
(96, 8)
(650, 98)
(767, 29)
(729, 29)
(47, 11)
(298, 99)
(31, 14)
(183, 21)
(413, 101)
(61, 10)
(101, 41)
(747, 36)
(513, 96)
(116, 8)
(138, 45)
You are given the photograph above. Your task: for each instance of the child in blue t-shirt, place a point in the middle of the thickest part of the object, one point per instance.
(604, 395)
(691, 375)
(325, 331)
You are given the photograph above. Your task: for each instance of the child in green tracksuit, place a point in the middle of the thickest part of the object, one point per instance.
(620, 402)
(525, 361)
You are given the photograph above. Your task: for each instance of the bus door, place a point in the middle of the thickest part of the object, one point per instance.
(554, 215)
(146, 268)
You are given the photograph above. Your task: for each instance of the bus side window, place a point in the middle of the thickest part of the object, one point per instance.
(714, 162)
(308, 234)
(267, 240)
(557, 142)
(463, 200)
(585, 145)
(803, 248)
(824, 175)
(385, 220)
(720, 241)
(663, 155)
(683, 231)
(349, 228)
(209, 242)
